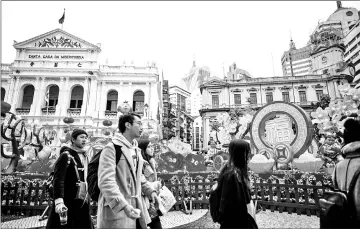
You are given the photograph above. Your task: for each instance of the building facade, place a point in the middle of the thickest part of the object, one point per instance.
(352, 49)
(220, 95)
(57, 75)
(296, 62)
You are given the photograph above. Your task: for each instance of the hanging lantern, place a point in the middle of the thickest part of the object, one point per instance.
(66, 130)
(5, 107)
(107, 122)
(124, 108)
(68, 120)
(106, 133)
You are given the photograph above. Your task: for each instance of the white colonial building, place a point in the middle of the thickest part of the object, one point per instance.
(57, 75)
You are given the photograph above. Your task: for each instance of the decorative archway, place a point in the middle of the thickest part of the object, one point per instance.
(112, 100)
(138, 101)
(2, 94)
(77, 95)
(28, 96)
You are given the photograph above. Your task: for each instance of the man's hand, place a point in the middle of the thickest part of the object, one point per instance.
(59, 207)
(156, 199)
(130, 212)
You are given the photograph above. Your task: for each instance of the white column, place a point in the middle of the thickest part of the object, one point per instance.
(206, 131)
(35, 102)
(98, 99)
(66, 94)
(15, 98)
(102, 104)
(9, 92)
(92, 98)
(61, 97)
(41, 97)
(85, 104)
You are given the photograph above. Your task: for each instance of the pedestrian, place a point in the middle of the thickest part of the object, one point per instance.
(149, 171)
(234, 182)
(346, 168)
(71, 165)
(120, 204)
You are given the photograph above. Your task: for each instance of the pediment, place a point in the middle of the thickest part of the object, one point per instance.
(214, 82)
(56, 39)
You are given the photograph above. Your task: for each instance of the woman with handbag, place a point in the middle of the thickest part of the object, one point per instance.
(234, 182)
(70, 208)
(149, 171)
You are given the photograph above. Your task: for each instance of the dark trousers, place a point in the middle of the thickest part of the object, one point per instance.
(155, 223)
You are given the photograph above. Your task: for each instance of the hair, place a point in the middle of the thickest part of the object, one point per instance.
(351, 131)
(143, 144)
(239, 151)
(126, 118)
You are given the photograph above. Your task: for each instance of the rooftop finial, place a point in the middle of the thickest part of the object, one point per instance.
(194, 65)
(339, 5)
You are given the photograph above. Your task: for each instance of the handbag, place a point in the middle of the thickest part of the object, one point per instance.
(81, 192)
(167, 200)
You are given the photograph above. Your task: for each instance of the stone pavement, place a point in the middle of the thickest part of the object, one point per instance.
(172, 219)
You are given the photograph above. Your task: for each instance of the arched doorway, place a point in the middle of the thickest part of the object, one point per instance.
(2, 94)
(28, 96)
(138, 101)
(112, 100)
(53, 96)
(77, 95)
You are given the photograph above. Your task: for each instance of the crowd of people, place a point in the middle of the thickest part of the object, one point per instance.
(129, 188)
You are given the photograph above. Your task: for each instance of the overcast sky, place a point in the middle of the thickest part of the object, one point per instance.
(253, 34)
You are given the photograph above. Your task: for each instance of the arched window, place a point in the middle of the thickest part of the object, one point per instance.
(77, 94)
(138, 101)
(2, 94)
(28, 96)
(112, 99)
(53, 95)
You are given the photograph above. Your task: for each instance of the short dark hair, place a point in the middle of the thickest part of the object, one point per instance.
(126, 118)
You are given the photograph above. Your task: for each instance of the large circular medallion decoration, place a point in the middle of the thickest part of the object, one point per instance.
(281, 122)
(282, 153)
(268, 153)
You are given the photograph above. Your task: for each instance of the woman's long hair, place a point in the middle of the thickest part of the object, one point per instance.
(143, 144)
(239, 152)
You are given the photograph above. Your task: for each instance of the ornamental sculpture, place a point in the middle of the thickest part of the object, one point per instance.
(55, 43)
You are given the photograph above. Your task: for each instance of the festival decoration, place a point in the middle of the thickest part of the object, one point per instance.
(124, 108)
(107, 122)
(330, 123)
(261, 164)
(308, 163)
(68, 120)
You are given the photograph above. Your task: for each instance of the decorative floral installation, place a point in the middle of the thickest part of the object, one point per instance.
(330, 122)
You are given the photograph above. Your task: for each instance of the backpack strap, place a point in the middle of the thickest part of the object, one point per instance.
(118, 152)
(353, 180)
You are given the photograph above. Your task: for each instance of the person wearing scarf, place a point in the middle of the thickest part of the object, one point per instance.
(65, 188)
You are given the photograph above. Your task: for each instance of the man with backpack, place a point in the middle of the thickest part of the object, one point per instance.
(120, 203)
(340, 208)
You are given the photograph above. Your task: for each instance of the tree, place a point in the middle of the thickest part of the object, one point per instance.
(17, 147)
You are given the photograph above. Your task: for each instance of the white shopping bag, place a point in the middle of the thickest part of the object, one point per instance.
(251, 207)
(167, 200)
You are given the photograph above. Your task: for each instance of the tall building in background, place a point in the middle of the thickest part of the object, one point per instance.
(191, 83)
(180, 106)
(296, 62)
(352, 49)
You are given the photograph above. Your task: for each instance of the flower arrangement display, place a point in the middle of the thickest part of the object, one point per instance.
(330, 123)
(261, 164)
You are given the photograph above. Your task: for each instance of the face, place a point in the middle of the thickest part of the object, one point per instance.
(135, 128)
(150, 149)
(80, 141)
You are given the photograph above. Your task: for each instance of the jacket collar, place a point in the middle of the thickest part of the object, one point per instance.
(351, 150)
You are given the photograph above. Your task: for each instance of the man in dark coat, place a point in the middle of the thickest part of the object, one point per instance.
(346, 168)
(65, 188)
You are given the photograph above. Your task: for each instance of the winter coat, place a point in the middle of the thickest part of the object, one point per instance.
(351, 150)
(65, 187)
(121, 185)
(235, 195)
